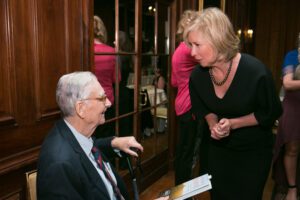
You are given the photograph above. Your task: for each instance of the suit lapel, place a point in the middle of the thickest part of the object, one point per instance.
(86, 163)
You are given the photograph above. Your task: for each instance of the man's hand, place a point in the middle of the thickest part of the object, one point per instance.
(127, 144)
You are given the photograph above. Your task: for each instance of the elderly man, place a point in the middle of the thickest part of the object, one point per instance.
(70, 165)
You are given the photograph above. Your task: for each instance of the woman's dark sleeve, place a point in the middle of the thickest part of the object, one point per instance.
(198, 107)
(268, 105)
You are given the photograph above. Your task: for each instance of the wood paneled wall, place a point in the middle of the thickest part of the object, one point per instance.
(40, 41)
(277, 28)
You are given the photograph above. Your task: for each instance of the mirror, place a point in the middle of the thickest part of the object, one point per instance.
(125, 89)
(147, 120)
(153, 70)
(154, 76)
(161, 100)
(113, 63)
(105, 61)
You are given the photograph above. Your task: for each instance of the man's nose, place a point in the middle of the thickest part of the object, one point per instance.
(107, 103)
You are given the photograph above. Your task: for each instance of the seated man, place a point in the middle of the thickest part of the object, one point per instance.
(67, 167)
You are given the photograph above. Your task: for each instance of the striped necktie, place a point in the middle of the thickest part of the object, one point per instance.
(97, 155)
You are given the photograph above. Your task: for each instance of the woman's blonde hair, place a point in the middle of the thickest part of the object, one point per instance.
(186, 18)
(99, 29)
(217, 29)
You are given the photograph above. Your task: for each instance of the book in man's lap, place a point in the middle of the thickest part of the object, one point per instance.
(189, 188)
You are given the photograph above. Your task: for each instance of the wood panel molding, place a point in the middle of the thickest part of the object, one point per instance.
(19, 160)
(67, 57)
(7, 120)
(13, 195)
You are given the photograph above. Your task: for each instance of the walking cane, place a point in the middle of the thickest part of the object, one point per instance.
(132, 175)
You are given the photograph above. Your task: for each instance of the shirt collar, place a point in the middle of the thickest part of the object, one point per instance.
(85, 142)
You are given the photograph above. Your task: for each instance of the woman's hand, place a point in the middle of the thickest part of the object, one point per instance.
(225, 125)
(221, 129)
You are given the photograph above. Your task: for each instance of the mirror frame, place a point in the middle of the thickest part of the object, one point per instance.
(222, 5)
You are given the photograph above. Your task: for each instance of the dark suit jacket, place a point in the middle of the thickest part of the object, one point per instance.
(65, 172)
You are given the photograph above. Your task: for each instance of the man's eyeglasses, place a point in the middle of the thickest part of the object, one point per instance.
(101, 99)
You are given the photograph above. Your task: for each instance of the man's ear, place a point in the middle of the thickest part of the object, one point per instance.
(80, 109)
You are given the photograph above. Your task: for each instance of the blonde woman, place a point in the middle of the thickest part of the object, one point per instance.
(235, 94)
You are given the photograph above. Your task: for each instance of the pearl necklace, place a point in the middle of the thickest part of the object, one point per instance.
(220, 83)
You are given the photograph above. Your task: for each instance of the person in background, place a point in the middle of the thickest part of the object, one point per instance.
(236, 95)
(182, 65)
(159, 81)
(287, 147)
(67, 168)
(105, 71)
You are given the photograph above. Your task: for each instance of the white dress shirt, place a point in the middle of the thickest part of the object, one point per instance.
(87, 145)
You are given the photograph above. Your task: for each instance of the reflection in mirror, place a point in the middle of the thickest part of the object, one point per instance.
(160, 96)
(125, 89)
(162, 129)
(153, 100)
(126, 25)
(147, 121)
(104, 68)
(105, 61)
(147, 78)
(147, 131)
(103, 9)
(126, 85)
(105, 65)
(126, 93)
(148, 27)
(163, 24)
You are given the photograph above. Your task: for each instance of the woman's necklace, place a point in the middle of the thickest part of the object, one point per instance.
(220, 83)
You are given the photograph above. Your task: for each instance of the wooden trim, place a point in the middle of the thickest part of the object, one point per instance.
(19, 160)
(137, 68)
(222, 5)
(200, 5)
(16, 194)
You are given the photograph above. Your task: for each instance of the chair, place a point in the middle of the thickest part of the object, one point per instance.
(161, 111)
(31, 184)
(161, 97)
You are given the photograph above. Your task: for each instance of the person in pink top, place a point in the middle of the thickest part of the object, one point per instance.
(182, 65)
(105, 65)
(105, 71)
